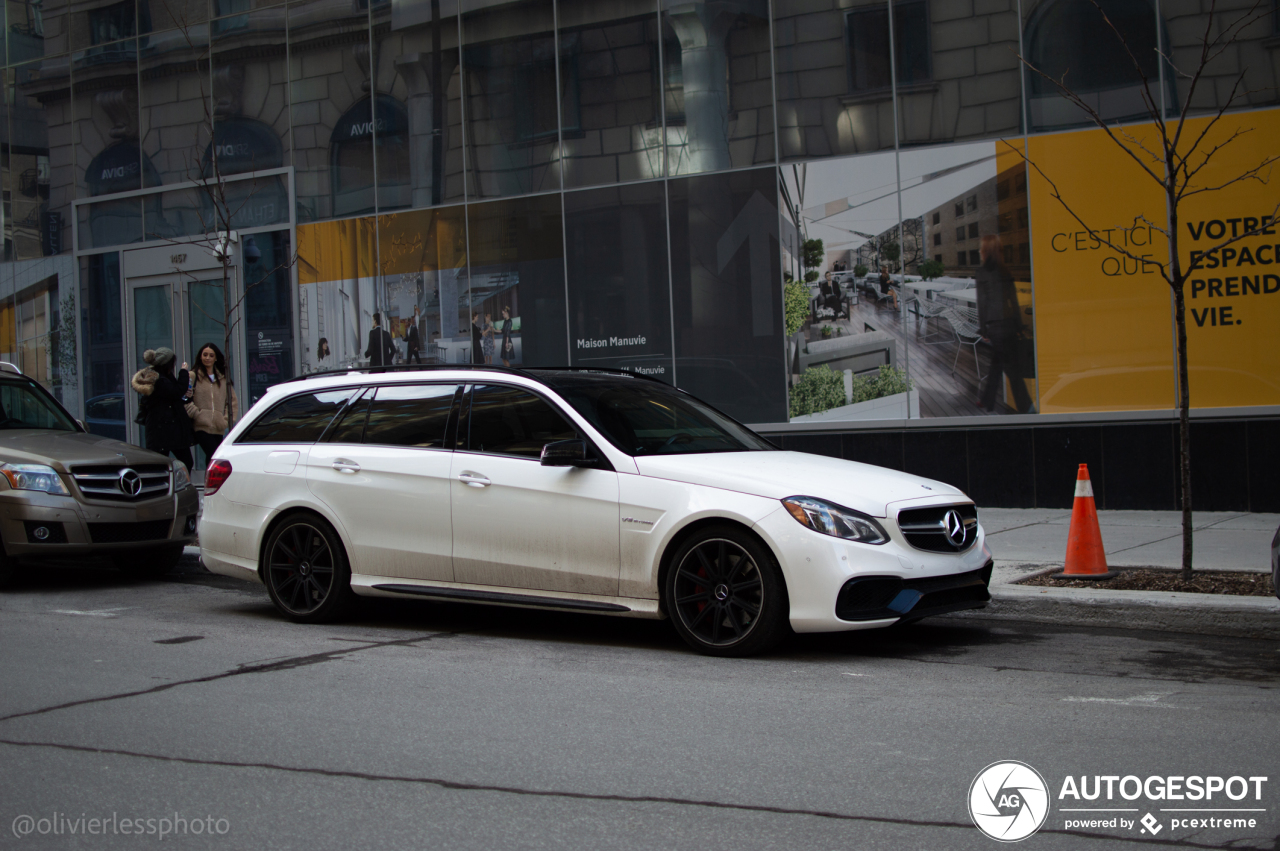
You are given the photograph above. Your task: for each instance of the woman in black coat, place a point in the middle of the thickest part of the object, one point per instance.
(167, 424)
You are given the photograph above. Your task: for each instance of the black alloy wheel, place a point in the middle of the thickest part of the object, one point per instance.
(725, 594)
(306, 570)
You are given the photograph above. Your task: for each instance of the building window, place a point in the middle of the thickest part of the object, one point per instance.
(971, 204)
(975, 258)
(960, 234)
(973, 230)
(960, 258)
(112, 23)
(868, 30)
(959, 209)
(937, 258)
(937, 218)
(937, 238)
(1071, 35)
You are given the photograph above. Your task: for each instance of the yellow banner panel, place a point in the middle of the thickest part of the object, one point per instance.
(422, 241)
(336, 251)
(1103, 322)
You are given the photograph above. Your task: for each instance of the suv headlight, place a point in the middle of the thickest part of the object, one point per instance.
(180, 477)
(33, 477)
(835, 520)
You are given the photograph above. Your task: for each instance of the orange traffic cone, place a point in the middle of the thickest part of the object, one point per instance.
(1086, 558)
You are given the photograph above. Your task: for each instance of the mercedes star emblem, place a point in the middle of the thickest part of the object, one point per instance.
(954, 527)
(130, 482)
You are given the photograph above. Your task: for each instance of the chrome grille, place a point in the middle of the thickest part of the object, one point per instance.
(103, 481)
(926, 528)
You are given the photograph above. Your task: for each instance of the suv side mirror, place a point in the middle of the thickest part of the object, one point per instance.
(565, 453)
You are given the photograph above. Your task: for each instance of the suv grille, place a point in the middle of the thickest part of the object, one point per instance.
(926, 528)
(127, 533)
(107, 481)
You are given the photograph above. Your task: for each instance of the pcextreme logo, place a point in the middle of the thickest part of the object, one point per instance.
(1008, 801)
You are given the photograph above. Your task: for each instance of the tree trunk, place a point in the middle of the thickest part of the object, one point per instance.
(1184, 426)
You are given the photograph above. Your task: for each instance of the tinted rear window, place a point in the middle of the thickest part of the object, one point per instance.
(298, 419)
(410, 415)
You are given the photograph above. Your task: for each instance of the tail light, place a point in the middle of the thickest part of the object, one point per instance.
(214, 477)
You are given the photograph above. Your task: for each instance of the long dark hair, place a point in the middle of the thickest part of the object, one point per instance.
(219, 362)
(322, 348)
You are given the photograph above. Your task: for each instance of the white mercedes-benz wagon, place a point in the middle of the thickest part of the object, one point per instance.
(575, 490)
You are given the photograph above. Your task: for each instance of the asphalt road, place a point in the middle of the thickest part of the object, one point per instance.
(435, 726)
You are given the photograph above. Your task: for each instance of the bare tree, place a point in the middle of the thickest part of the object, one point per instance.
(223, 196)
(1177, 165)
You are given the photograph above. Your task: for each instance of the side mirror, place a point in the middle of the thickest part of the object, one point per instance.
(565, 453)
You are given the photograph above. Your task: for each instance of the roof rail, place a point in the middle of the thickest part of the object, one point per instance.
(5, 366)
(468, 367)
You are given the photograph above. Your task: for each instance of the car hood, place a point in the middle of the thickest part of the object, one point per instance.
(776, 475)
(65, 449)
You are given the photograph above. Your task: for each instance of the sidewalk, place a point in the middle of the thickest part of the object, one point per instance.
(1027, 541)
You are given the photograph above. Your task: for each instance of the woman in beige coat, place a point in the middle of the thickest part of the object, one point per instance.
(213, 407)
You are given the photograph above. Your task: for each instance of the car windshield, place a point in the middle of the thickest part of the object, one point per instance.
(24, 405)
(648, 418)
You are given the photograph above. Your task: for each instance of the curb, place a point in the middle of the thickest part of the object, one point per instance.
(1167, 611)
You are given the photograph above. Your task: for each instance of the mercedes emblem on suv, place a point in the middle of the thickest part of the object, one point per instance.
(130, 482)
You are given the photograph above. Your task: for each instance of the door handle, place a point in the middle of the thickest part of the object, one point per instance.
(342, 465)
(475, 480)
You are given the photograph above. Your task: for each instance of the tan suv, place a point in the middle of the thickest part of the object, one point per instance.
(65, 492)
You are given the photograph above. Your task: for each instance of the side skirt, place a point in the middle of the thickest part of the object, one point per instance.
(389, 586)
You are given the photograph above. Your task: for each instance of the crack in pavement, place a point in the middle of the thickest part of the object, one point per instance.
(260, 668)
(454, 785)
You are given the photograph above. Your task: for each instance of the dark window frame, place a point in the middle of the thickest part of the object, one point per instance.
(850, 43)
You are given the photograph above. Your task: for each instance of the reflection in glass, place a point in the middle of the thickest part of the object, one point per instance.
(619, 298)
(37, 214)
(417, 65)
(152, 320)
(172, 120)
(371, 136)
(725, 277)
(717, 79)
(517, 282)
(512, 103)
(609, 75)
(833, 81)
(1064, 36)
(102, 341)
(972, 90)
(328, 74)
(423, 285)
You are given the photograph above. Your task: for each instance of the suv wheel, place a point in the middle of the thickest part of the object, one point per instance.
(305, 570)
(725, 594)
(151, 563)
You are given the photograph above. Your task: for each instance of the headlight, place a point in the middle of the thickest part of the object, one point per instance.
(180, 477)
(33, 477)
(835, 520)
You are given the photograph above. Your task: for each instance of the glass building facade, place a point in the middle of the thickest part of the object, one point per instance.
(621, 183)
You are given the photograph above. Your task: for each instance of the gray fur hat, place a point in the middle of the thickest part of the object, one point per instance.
(158, 357)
